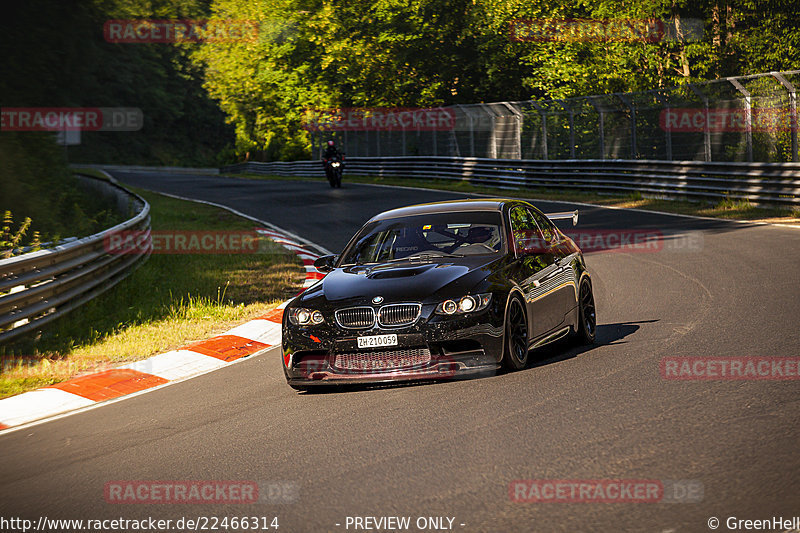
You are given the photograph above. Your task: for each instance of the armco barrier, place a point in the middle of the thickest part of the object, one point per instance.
(763, 183)
(41, 286)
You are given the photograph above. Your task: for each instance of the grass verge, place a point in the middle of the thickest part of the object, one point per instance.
(169, 301)
(724, 209)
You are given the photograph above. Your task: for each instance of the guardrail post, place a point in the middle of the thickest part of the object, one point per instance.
(628, 102)
(748, 115)
(792, 110)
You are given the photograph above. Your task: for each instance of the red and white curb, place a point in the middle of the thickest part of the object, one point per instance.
(177, 365)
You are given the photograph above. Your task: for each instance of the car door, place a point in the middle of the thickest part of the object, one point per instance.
(562, 276)
(535, 265)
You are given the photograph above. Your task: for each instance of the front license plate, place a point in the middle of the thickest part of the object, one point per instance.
(376, 341)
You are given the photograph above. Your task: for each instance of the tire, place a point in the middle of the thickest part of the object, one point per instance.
(515, 343)
(587, 314)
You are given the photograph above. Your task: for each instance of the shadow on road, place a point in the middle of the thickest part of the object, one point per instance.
(607, 334)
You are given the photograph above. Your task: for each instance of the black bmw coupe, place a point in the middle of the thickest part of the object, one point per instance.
(437, 291)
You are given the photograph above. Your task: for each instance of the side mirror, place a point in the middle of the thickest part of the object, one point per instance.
(325, 263)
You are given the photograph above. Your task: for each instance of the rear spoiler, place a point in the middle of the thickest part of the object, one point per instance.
(564, 215)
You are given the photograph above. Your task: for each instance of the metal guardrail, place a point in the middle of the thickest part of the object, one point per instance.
(41, 286)
(760, 183)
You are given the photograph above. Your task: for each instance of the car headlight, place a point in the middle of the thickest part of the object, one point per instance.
(468, 304)
(300, 316)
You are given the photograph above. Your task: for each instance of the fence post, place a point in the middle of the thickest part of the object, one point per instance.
(518, 130)
(544, 127)
(748, 113)
(628, 102)
(706, 129)
(601, 124)
(571, 115)
(663, 100)
(792, 110)
(471, 135)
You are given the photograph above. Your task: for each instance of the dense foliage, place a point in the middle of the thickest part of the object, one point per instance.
(54, 55)
(323, 53)
(437, 52)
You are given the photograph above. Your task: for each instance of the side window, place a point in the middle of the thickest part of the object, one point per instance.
(524, 230)
(549, 231)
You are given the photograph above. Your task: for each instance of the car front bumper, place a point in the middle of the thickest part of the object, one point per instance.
(441, 349)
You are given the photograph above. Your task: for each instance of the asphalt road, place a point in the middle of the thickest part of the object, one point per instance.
(452, 449)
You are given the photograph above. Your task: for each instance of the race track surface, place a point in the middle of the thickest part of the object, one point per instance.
(451, 449)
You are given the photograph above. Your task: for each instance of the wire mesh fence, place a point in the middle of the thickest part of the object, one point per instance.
(750, 118)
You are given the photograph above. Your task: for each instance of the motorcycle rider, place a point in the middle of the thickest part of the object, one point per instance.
(331, 152)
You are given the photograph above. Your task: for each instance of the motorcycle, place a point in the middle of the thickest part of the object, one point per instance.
(333, 170)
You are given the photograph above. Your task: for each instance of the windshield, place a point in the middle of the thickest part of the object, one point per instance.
(424, 236)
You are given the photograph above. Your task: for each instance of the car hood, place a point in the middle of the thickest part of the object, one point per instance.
(404, 281)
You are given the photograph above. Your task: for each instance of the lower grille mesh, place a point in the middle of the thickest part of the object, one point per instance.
(382, 360)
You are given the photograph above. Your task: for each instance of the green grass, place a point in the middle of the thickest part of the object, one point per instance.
(167, 302)
(725, 208)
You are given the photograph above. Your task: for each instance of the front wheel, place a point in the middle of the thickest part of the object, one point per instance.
(515, 349)
(587, 316)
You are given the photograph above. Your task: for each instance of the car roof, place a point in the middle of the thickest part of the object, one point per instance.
(451, 206)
